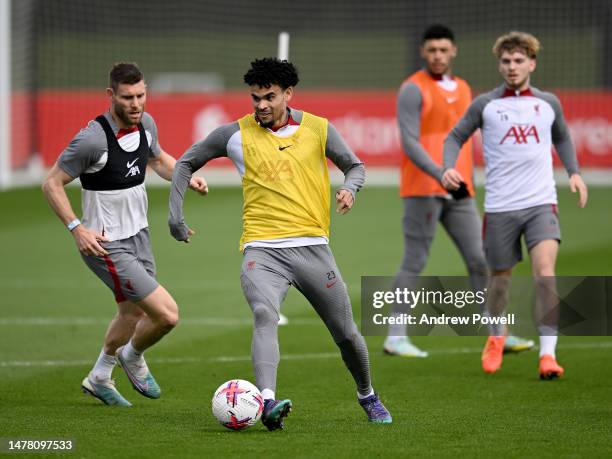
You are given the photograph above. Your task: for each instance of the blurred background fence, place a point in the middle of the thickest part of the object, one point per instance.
(352, 57)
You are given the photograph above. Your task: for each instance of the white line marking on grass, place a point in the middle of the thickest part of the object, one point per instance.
(54, 321)
(247, 358)
(44, 363)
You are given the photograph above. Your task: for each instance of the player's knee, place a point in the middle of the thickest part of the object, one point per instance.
(168, 317)
(168, 320)
(406, 278)
(412, 266)
(264, 315)
(499, 289)
(478, 267)
(351, 340)
(499, 282)
(345, 334)
(546, 282)
(544, 271)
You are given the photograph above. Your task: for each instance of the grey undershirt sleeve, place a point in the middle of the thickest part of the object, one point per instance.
(462, 131)
(561, 137)
(214, 146)
(84, 150)
(148, 123)
(343, 157)
(409, 102)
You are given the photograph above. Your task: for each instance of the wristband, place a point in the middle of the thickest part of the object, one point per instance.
(73, 224)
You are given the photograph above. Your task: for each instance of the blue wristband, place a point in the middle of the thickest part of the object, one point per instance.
(73, 224)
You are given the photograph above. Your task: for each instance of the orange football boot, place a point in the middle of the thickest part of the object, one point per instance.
(493, 353)
(549, 368)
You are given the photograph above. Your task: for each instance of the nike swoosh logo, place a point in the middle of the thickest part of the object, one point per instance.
(282, 148)
(143, 386)
(130, 164)
(331, 284)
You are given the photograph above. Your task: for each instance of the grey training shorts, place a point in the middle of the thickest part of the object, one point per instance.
(502, 233)
(128, 269)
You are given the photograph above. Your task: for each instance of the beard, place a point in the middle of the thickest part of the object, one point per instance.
(274, 117)
(123, 115)
(267, 124)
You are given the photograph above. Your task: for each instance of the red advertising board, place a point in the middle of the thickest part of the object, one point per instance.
(366, 119)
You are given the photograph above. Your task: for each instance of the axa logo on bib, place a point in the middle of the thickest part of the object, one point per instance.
(273, 171)
(133, 169)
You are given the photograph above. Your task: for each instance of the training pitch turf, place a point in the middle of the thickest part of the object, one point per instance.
(54, 314)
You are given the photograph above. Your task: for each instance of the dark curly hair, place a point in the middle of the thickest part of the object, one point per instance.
(270, 70)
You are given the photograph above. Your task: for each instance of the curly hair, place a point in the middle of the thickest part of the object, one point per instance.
(270, 70)
(517, 41)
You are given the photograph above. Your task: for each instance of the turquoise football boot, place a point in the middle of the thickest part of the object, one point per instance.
(104, 391)
(139, 375)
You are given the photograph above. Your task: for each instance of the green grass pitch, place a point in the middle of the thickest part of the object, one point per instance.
(54, 314)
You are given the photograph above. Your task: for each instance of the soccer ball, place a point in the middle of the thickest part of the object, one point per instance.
(237, 404)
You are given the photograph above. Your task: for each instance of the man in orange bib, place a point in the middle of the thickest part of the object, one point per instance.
(430, 102)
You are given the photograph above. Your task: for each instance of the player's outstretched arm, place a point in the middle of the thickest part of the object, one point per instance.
(164, 164)
(181, 178)
(214, 146)
(87, 241)
(338, 151)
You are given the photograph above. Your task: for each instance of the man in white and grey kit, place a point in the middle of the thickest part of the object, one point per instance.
(429, 104)
(110, 156)
(281, 154)
(519, 125)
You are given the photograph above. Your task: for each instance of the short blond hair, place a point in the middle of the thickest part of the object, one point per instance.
(517, 41)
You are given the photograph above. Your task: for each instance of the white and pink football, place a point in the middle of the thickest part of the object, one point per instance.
(237, 404)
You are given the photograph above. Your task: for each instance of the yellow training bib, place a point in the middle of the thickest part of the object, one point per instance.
(286, 181)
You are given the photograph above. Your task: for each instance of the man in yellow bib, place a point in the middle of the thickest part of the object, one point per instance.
(281, 155)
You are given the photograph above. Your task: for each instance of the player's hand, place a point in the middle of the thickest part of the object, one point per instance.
(190, 233)
(344, 201)
(180, 231)
(199, 185)
(88, 241)
(577, 184)
(451, 179)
